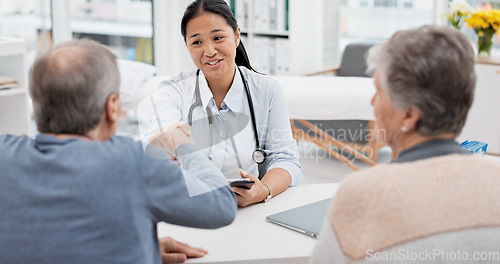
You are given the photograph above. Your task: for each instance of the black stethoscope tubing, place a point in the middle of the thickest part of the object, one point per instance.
(258, 155)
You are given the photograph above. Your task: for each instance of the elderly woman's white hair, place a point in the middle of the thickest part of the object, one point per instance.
(431, 69)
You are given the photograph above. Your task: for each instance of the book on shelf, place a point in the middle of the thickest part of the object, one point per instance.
(282, 63)
(270, 55)
(8, 82)
(241, 14)
(268, 15)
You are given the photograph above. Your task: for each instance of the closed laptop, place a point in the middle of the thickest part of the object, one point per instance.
(307, 219)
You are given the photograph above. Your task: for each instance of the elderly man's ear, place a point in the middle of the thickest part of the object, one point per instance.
(113, 109)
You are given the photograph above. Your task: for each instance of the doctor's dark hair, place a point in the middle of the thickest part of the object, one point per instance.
(70, 85)
(217, 7)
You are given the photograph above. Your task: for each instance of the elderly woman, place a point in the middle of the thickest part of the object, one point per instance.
(434, 202)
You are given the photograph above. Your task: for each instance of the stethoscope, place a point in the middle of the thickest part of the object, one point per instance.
(258, 155)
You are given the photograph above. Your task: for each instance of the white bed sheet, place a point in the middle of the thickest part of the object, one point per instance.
(328, 98)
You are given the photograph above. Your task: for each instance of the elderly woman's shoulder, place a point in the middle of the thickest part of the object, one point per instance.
(394, 175)
(392, 203)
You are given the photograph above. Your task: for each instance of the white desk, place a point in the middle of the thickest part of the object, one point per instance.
(251, 238)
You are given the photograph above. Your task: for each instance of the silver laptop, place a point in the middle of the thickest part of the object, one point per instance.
(307, 219)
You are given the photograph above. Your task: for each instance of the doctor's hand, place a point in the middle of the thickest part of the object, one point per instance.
(256, 194)
(172, 137)
(176, 135)
(173, 251)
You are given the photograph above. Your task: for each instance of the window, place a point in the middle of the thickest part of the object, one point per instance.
(29, 20)
(376, 20)
(125, 26)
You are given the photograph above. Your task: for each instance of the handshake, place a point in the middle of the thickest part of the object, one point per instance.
(172, 137)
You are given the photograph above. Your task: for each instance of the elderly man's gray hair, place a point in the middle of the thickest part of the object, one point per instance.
(431, 69)
(70, 85)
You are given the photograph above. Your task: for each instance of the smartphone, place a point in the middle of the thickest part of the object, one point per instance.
(241, 183)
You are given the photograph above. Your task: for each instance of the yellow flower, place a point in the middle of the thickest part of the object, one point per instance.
(485, 19)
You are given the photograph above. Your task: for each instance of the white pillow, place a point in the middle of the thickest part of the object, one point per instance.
(132, 74)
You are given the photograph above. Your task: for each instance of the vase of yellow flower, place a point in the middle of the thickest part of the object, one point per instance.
(484, 42)
(486, 23)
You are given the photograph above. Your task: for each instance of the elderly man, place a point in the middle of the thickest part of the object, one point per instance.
(78, 194)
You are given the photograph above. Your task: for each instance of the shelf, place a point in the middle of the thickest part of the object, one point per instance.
(268, 33)
(124, 29)
(492, 60)
(272, 33)
(14, 106)
(13, 91)
(5, 40)
(11, 46)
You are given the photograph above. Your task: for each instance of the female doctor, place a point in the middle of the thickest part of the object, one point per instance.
(225, 88)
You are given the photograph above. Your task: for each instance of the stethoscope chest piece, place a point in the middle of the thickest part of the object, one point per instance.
(259, 156)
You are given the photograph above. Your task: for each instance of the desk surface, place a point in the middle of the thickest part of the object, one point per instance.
(251, 238)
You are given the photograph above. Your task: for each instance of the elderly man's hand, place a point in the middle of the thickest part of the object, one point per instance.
(176, 135)
(172, 137)
(173, 251)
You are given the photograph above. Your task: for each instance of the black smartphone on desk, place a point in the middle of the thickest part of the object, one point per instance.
(241, 183)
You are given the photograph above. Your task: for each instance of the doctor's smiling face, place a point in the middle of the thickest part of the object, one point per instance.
(212, 43)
